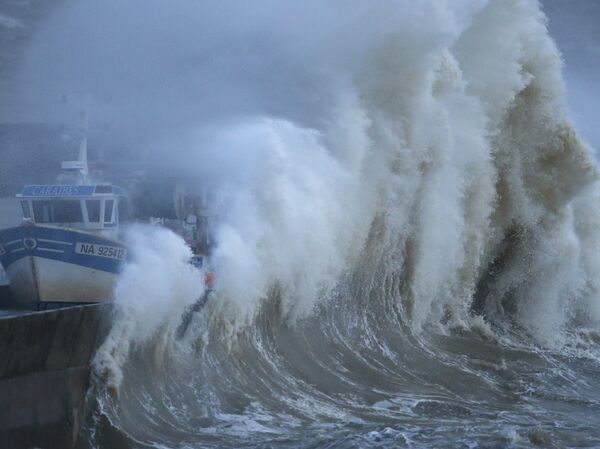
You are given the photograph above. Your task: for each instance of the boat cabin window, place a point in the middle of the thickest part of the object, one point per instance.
(123, 211)
(57, 211)
(108, 211)
(26, 209)
(93, 210)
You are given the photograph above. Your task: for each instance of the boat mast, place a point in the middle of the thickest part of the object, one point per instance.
(77, 172)
(83, 150)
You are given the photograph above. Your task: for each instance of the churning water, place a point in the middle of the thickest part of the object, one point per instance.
(407, 245)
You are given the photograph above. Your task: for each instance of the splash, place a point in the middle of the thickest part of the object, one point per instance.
(442, 172)
(402, 176)
(154, 287)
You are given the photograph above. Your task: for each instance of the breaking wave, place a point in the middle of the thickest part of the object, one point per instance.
(407, 241)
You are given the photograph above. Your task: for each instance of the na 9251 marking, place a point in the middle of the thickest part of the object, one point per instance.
(92, 249)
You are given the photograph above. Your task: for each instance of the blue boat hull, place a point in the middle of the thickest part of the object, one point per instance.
(53, 264)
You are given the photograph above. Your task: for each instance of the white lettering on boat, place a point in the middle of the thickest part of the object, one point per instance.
(93, 249)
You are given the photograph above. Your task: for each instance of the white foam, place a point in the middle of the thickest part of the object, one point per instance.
(415, 142)
(152, 292)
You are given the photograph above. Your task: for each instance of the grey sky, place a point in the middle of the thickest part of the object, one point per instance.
(574, 24)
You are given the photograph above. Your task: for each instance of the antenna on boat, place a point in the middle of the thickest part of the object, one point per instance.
(77, 172)
(83, 150)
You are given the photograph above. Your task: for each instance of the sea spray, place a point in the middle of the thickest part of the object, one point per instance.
(406, 231)
(291, 219)
(156, 285)
(442, 165)
(440, 127)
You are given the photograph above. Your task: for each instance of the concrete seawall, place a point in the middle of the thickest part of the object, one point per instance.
(45, 373)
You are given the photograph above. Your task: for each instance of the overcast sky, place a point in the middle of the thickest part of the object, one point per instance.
(574, 24)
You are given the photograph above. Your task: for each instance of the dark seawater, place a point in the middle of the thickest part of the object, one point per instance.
(355, 379)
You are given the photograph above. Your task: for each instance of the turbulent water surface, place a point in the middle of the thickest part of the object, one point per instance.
(407, 235)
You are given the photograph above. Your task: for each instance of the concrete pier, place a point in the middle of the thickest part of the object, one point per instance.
(45, 372)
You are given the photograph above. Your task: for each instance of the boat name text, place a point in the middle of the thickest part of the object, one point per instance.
(58, 190)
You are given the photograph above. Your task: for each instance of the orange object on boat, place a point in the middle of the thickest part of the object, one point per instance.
(209, 279)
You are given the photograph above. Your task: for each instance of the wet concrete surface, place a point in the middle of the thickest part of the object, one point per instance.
(45, 372)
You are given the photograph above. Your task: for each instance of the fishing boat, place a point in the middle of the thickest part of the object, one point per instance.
(67, 248)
